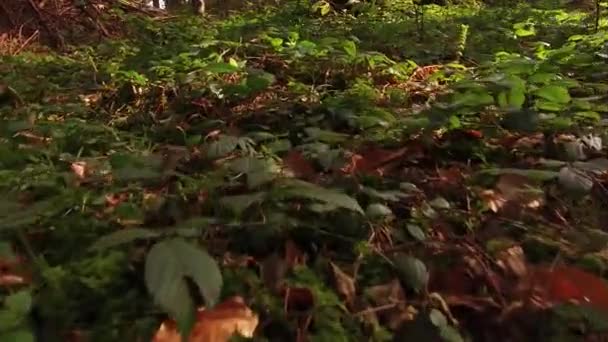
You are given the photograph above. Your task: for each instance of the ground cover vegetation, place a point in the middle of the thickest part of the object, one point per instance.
(304, 171)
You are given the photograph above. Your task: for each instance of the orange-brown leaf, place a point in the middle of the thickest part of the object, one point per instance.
(216, 325)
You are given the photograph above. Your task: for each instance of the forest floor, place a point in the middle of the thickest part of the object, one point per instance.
(321, 176)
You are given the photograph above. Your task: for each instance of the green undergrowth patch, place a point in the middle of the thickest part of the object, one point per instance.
(128, 167)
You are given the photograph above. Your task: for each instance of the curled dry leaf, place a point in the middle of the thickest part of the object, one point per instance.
(216, 325)
(345, 284)
(80, 169)
(391, 299)
(513, 261)
(512, 193)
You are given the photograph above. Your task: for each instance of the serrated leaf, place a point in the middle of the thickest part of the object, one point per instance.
(123, 236)
(299, 189)
(378, 210)
(167, 265)
(553, 93)
(412, 272)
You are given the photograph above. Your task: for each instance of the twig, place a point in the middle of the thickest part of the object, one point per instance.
(26, 42)
(59, 41)
(378, 308)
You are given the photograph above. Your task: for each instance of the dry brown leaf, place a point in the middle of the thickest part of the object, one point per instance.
(294, 255)
(79, 169)
(391, 298)
(273, 270)
(345, 284)
(216, 325)
(513, 261)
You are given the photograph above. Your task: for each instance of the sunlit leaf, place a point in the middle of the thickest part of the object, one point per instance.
(553, 93)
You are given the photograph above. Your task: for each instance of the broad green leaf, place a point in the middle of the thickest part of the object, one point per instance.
(412, 272)
(123, 236)
(416, 232)
(440, 203)
(317, 134)
(19, 303)
(259, 80)
(387, 195)
(239, 203)
(438, 318)
(17, 336)
(294, 188)
(540, 175)
(32, 213)
(167, 265)
(473, 98)
(553, 93)
(350, 48)
(525, 29)
(377, 211)
(220, 68)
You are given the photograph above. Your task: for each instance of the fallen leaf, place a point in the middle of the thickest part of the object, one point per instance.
(216, 325)
(79, 169)
(513, 261)
(298, 299)
(293, 255)
(273, 270)
(345, 284)
(564, 283)
(301, 168)
(391, 297)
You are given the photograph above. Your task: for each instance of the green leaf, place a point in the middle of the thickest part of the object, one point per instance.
(123, 236)
(412, 272)
(17, 336)
(300, 189)
(553, 93)
(19, 303)
(167, 265)
(350, 48)
(473, 98)
(378, 210)
(539, 175)
(239, 203)
(222, 146)
(440, 203)
(259, 80)
(416, 232)
(220, 68)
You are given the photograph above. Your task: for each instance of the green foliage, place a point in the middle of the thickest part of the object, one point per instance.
(182, 135)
